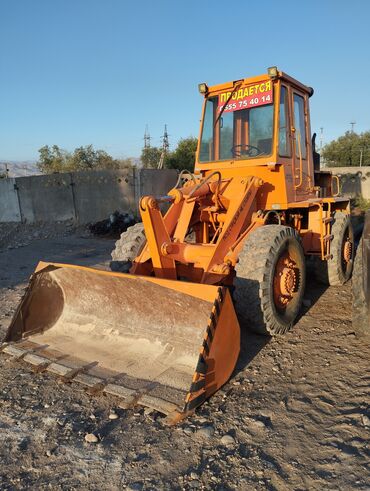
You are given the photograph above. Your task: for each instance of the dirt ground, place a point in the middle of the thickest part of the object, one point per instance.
(294, 416)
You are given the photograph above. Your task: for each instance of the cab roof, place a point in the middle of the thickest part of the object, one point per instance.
(259, 78)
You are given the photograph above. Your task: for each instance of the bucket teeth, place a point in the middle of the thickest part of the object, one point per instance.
(52, 363)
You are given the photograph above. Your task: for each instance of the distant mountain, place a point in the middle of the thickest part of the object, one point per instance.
(19, 168)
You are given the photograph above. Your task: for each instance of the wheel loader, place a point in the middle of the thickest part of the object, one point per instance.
(163, 328)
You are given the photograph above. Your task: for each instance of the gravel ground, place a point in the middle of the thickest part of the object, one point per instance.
(295, 414)
(14, 235)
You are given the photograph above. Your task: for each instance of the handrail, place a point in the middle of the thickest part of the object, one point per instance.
(321, 230)
(204, 181)
(338, 185)
(296, 186)
(184, 171)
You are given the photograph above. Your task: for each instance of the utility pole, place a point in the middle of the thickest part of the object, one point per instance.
(6, 170)
(321, 138)
(165, 141)
(147, 137)
(165, 147)
(352, 123)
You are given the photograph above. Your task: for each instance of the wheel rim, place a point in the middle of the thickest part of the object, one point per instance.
(347, 252)
(287, 281)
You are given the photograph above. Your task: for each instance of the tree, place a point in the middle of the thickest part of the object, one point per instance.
(350, 149)
(86, 158)
(125, 163)
(183, 157)
(54, 159)
(150, 157)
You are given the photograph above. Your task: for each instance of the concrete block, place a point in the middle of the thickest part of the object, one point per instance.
(157, 182)
(9, 204)
(354, 181)
(46, 198)
(99, 193)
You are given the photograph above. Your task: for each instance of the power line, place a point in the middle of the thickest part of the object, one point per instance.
(165, 140)
(165, 147)
(352, 123)
(147, 137)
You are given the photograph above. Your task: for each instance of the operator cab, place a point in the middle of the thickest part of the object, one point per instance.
(244, 130)
(258, 121)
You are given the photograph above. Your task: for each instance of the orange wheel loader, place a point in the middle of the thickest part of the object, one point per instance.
(162, 329)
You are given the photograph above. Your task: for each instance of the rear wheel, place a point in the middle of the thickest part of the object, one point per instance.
(270, 280)
(127, 247)
(360, 307)
(338, 270)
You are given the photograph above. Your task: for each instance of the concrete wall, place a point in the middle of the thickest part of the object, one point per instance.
(92, 195)
(354, 181)
(86, 197)
(9, 204)
(151, 181)
(99, 193)
(46, 198)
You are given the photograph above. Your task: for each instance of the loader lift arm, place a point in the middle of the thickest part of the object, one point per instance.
(215, 256)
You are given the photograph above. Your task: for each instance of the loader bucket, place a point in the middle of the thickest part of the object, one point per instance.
(161, 343)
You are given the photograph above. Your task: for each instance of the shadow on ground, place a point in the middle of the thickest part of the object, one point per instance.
(251, 343)
(16, 265)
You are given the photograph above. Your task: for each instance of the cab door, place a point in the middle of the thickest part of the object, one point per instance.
(302, 179)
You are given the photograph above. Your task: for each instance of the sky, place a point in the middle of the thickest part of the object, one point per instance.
(79, 72)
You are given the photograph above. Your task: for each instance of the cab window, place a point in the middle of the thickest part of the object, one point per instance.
(284, 140)
(226, 136)
(240, 132)
(300, 126)
(206, 153)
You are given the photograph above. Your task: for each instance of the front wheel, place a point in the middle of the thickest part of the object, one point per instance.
(127, 248)
(270, 280)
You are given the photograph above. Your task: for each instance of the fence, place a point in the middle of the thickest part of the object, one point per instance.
(85, 197)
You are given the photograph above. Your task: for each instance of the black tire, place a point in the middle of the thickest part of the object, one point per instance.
(257, 292)
(337, 270)
(127, 247)
(360, 307)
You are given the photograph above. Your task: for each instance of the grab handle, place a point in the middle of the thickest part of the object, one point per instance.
(298, 139)
(338, 185)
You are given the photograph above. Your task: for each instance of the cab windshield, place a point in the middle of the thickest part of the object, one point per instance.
(239, 133)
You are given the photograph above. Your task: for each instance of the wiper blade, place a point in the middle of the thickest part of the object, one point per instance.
(226, 103)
